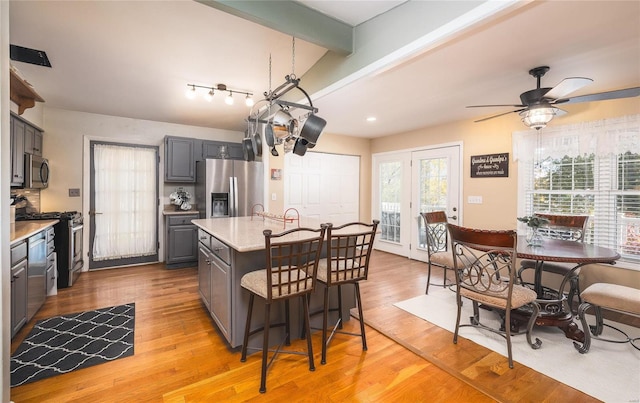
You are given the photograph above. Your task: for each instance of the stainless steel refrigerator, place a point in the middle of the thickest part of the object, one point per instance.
(228, 188)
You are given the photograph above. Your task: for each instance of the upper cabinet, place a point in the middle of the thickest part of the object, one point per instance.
(23, 94)
(181, 154)
(222, 150)
(17, 151)
(179, 159)
(32, 141)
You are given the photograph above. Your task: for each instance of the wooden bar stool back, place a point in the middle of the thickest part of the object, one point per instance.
(348, 254)
(291, 269)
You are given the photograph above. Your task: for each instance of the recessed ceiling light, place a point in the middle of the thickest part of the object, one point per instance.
(371, 119)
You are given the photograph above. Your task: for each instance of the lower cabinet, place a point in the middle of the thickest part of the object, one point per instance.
(19, 264)
(214, 280)
(204, 275)
(182, 242)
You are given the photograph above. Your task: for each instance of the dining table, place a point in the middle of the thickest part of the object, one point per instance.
(554, 309)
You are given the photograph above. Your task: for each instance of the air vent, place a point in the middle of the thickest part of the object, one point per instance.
(32, 56)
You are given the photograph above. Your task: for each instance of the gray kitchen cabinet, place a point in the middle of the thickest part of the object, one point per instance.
(204, 273)
(36, 272)
(17, 151)
(19, 264)
(179, 161)
(182, 240)
(51, 285)
(32, 141)
(222, 150)
(214, 280)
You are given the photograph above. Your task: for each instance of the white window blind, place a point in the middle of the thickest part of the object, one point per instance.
(589, 168)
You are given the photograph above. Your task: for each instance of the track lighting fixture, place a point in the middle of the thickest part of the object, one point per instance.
(229, 99)
(191, 93)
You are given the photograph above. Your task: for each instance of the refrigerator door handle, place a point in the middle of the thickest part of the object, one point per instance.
(234, 195)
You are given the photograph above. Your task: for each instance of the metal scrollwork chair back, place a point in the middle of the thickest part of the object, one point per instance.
(437, 243)
(565, 227)
(485, 273)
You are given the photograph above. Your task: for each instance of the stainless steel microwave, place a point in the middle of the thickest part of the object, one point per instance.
(36, 172)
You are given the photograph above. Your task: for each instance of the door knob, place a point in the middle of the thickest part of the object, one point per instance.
(453, 217)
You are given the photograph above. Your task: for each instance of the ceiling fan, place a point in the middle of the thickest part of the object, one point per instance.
(537, 106)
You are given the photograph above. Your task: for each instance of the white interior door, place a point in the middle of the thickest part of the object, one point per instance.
(435, 179)
(324, 186)
(410, 182)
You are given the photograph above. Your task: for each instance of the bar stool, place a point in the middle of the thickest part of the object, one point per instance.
(291, 270)
(349, 249)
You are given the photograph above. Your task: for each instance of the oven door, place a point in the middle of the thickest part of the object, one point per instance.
(75, 252)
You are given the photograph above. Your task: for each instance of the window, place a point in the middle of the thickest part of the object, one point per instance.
(590, 168)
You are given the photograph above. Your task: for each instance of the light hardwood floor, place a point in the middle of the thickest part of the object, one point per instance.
(180, 357)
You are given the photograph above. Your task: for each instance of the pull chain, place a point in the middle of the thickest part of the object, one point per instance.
(293, 57)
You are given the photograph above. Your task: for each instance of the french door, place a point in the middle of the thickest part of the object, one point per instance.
(408, 183)
(123, 225)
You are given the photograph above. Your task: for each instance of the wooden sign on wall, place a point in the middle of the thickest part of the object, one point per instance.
(490, 166)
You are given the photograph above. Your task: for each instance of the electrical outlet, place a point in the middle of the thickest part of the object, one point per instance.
(273, 196)
(75, 192)
(474, 200)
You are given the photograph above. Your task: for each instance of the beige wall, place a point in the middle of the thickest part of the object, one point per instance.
(499, 207)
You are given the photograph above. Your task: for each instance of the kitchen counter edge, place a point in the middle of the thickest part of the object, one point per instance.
(22, 230)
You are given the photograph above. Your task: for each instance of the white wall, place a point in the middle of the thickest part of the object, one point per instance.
(64, 137)
(5, 182)
(66, 145)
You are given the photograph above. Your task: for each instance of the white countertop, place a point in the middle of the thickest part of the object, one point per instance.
(24, 229)
(245, 234)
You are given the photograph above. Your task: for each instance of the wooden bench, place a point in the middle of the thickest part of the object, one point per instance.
(609, 296)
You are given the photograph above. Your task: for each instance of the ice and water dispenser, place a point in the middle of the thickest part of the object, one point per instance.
(219, 204)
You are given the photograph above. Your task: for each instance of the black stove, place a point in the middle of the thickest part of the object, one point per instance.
(67, 242)
(52, 215)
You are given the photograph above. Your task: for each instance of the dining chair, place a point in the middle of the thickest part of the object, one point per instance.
(566, 227)
(291, 270)
(349, 249)
(484, 261)
(437, 242)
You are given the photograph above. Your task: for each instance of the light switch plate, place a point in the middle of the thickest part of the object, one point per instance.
(273, 196)
(474, 199)
(75, 192)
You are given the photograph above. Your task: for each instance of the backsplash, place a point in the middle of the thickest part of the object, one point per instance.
(32, 204)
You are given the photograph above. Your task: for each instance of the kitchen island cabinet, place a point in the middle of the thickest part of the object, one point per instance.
(234, 247)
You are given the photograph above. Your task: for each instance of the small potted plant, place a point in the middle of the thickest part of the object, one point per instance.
(534, 223)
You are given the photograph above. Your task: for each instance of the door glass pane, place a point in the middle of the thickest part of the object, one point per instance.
(390, 197)
(433, 190)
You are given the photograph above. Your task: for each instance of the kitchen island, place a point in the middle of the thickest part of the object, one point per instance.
(228, 249)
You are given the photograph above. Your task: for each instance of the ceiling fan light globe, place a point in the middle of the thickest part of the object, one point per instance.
(537, 117)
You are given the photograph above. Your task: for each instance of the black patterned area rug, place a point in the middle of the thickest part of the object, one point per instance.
(65, 343)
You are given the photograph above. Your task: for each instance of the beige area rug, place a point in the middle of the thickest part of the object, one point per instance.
(609, 371)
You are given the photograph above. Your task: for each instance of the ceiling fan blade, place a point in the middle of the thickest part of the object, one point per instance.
(567, 86)
(501, 114)
(602, 96)
(484, 106)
